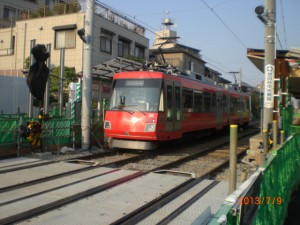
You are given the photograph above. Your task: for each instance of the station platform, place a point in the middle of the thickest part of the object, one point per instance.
(105, 206)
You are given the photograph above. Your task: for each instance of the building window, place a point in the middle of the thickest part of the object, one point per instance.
(65, 36)
(139, 51)
(65, 39)
(9, 12)
(123, 48)
(106, 41)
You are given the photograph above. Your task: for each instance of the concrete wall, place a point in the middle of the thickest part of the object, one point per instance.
(182, 61)
(14, 94)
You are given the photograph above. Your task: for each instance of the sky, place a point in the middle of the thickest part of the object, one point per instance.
(221, 29)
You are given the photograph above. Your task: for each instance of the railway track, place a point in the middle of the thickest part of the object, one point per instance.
(110, 164)
(214, 153)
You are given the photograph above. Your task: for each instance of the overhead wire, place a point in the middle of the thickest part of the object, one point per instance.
(278, 39)
(223, 22)
(283, 22)
(147, 27)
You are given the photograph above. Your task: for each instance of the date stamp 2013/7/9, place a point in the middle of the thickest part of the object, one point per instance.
(260, 200)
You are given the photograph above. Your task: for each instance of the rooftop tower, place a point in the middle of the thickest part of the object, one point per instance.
(166, 38)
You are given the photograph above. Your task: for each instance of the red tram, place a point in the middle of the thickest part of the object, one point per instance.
(147, 108)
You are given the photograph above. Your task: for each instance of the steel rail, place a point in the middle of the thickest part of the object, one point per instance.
(144, 211)
(53, 177)
(39, 210)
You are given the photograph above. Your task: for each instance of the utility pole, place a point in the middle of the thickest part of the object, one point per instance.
(61, 81)
(235, 79)
(269, 64)
(47, 91)
(87, 77)
(30, 97)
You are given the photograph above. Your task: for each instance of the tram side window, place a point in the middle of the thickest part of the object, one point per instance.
(224, 104)
(161, 101)
(177, 103)
(234, 104)
(198, 101)
(207, 101)
(241, 105)
(247, 102)
(169, 103)
(213, 103)
(187, 100)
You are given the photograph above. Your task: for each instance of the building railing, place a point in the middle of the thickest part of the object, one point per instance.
(6, 51)
(107, 13)
(74, 7)
(12, 72)
(5, 23)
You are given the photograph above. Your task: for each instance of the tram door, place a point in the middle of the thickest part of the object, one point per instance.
(173, 105)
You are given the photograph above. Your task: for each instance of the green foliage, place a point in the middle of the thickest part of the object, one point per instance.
(136, 59)
(73, 7)
(27, 63)
(59, 9)
(33, 14)
(44, 11)
(69, 76)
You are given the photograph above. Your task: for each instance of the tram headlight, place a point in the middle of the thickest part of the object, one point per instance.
(107, 125)
(150, 127)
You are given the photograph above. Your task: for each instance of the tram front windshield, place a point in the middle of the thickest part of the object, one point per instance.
(136, 95)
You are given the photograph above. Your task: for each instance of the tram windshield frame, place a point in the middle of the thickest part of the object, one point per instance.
(136, 95)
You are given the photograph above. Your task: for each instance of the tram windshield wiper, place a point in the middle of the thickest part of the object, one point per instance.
(122, 107)
(136, 107)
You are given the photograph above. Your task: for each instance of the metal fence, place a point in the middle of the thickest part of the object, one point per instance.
(276, 179)
(56, 131)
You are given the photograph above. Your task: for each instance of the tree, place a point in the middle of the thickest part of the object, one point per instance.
(69, 76)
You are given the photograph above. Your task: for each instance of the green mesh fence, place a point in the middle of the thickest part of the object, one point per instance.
(57, 131)
(8, 130)
(280, 176)
(287, 116)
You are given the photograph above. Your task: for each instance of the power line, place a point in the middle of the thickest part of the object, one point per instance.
(283, 21)
(279, 40)
(223, 22)
(147, 27)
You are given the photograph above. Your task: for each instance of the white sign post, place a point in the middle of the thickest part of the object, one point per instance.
(269, 86)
